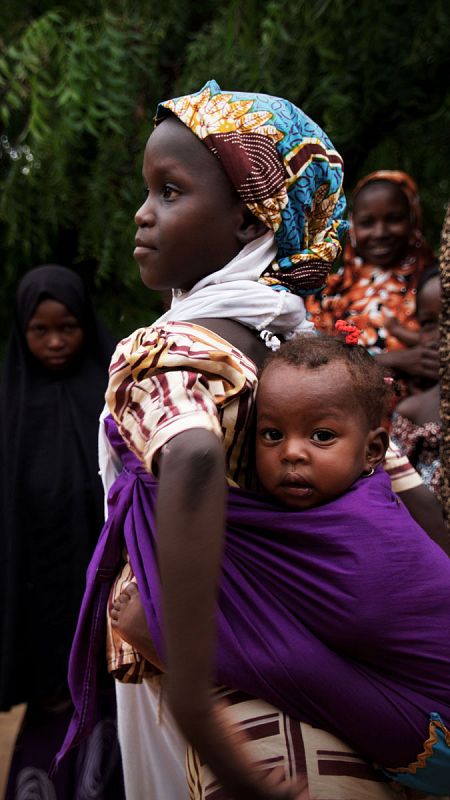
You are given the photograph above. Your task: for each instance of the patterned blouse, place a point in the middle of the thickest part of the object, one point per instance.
(167, 380)
(368, 296)
(164, 381)
(421, 444)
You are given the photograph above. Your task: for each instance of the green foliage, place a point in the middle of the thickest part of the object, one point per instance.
(79, 85)
(76, 114)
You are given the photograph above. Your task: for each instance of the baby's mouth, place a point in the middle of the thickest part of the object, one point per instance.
(295, 481)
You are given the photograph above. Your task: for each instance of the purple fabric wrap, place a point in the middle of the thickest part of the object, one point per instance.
(339, 616)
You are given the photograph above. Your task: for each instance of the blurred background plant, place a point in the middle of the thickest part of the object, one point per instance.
(79, 86)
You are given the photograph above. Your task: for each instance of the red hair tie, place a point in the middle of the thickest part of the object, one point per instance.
(350, 329)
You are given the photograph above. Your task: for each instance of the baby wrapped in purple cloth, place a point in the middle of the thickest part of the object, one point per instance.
(341, 618)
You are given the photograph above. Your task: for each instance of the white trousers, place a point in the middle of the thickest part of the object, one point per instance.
(153, 750)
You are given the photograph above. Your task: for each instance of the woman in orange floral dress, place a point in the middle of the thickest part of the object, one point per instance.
(376, 286)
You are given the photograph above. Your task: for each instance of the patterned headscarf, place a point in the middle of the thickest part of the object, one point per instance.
(283, 167)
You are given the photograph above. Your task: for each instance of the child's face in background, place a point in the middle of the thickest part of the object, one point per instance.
(428, 311)
(54, 336)
(189, 221)
(381, 224)
(312, 439)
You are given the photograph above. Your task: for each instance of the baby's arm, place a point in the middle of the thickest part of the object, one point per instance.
(190, 521)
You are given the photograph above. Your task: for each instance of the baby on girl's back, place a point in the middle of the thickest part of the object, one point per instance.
(347, 558)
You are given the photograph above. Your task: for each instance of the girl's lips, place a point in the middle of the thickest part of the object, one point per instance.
(381, 251)
(57, 361)
(141, 252)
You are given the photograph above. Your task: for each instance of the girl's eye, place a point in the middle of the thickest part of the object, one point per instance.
(394, 218)
(271, 435)
(323, 436)
(169, 192)
(36, 329)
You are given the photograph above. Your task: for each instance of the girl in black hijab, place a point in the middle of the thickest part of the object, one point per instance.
(51, 394)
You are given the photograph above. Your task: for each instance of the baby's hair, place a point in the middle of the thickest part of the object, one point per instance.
(373, 388)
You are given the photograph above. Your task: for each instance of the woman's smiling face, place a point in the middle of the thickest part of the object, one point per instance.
(189, 221)
(381, 224)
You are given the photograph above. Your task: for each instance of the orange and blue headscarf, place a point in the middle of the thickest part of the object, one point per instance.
(285, 169)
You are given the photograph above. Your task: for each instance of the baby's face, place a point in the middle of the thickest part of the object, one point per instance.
(311, 435)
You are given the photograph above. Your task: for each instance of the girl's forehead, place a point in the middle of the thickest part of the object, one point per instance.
(172, 138)
(173, 147)
(48, 306)
(379, 193)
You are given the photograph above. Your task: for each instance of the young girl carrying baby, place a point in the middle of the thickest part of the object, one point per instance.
(242, 215)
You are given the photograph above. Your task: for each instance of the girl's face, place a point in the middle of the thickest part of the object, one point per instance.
(428, 311)
(54, 336)
(312, 439)
(190, 221)
(381, 224)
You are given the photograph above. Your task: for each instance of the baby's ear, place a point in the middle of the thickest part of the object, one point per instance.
(251, 228)
(376, 446)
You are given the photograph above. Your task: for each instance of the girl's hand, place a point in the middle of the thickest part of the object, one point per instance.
(404, 335)
(421, 361)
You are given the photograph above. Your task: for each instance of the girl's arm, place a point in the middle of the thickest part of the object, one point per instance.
(190, 524)
(405, 335)
(420, 361)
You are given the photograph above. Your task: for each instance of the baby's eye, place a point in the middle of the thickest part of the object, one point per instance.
(323, 435)
(169, 192)
(271, 435)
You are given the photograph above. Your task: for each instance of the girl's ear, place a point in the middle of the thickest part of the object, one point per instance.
(251, 227)
(376, 446)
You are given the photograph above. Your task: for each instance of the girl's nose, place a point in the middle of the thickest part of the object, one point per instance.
(379, 229)
(55, 341)
(145, 215)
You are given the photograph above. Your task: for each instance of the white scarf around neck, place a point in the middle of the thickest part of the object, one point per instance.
(234, 292)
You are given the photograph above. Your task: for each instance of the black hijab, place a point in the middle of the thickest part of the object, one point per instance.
(51, 495)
